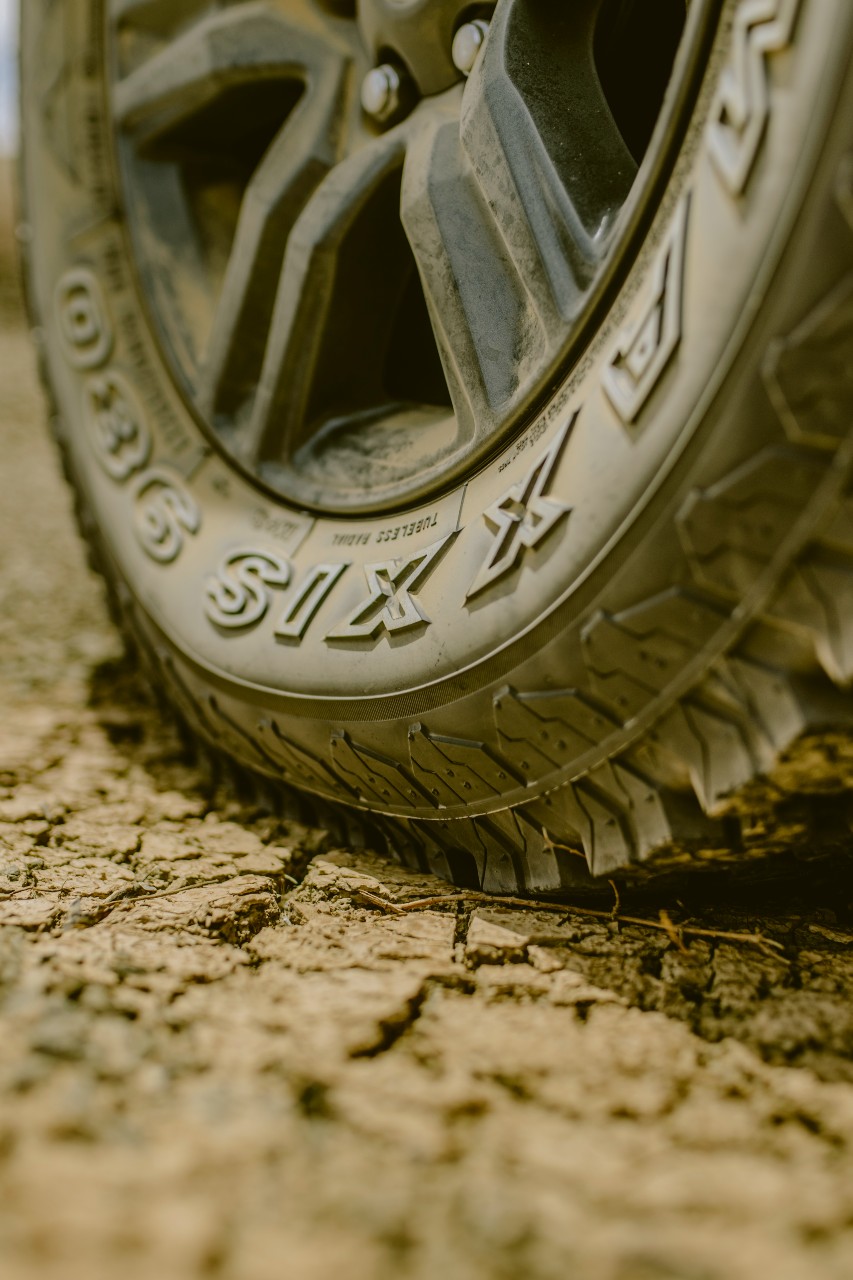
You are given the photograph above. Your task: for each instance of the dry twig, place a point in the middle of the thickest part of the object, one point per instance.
(663, 924)
(617, 901)
(384, 904)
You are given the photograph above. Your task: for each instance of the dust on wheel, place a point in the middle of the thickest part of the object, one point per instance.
(458, 400)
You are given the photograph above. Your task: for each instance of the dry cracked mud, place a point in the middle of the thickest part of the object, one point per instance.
(227, 1049)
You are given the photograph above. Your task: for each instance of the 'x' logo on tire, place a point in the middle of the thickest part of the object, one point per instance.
(390, 606)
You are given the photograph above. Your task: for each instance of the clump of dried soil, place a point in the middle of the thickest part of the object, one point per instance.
(222, 1055)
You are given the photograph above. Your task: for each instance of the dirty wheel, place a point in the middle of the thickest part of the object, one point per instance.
(458, 399)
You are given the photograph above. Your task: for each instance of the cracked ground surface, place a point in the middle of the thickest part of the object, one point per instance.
(221, 1056)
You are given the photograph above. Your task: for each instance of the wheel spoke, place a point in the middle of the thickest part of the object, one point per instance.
(238, 47)
(508, 223)
(548, 156)
(304, 151)
(336, 301)
(481, 314)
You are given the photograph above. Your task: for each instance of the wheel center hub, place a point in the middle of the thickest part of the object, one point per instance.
(419, 32)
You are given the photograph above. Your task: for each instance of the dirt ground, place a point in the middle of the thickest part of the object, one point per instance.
(220, 1057)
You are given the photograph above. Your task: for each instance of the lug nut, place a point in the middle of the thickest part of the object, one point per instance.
(382, 93)
(467, 44)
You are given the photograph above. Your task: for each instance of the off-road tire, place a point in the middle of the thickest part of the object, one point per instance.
(628, 632)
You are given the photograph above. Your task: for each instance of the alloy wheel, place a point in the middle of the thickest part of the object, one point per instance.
(373, 236)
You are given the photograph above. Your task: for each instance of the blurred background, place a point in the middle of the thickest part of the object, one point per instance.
(8, 75)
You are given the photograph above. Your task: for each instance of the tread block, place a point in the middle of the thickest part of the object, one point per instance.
(617, 816)
(466, 849)
(609, 837)
(300, 767)
(772, 700)
(731, 530)
(633, 655)
(507, 852)
(447, 859)
(402, 842)
(454, 769)
(557, 817)
(549, 729)
(373, 777)
(540, 864)
(606, 833)
(711, 746)
(504, 870)
(809, 373)
(629, 817)
(817, 596)
(556, 813)
(650, 822)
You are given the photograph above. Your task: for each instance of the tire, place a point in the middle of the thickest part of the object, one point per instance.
(605, 630)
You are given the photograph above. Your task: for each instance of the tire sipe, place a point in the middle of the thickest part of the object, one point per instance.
(459, 399)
